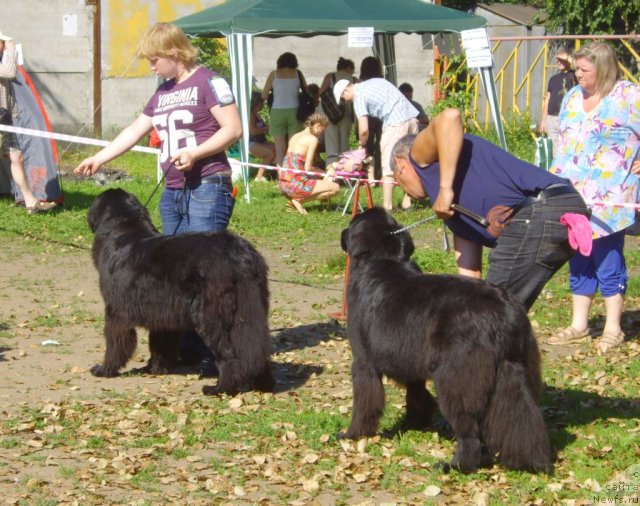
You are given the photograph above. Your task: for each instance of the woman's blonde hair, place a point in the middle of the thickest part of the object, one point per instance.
(165, 40)
(317, 118)
(603, 57)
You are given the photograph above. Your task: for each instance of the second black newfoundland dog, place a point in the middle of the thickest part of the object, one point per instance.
(472, 339)
(215, 284)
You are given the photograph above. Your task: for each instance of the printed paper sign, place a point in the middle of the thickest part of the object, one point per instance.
(477, 48)
(360, 36)
(475, 39)
(477, 58)
(69, 25)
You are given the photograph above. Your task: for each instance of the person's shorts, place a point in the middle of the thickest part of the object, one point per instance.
(284, 122)
(8, 142)
(390, 136)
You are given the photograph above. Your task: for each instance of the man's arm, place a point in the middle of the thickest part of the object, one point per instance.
(441, 141)
(8, 65)
(363, 131)
(543, 115)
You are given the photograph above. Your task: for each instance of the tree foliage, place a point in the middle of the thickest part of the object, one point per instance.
(590, 17)
(577, 17)
(470, 5)
(213, 55)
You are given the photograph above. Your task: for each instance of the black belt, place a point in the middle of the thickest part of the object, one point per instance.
(550, 191)
(216, 178)
(213, 179)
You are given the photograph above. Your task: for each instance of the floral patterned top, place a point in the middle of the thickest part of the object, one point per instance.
(596, 150)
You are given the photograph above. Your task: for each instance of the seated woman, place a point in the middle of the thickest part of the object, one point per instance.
(301, 187)
(258, 144)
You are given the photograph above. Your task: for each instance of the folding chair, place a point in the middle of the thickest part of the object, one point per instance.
(352, 182)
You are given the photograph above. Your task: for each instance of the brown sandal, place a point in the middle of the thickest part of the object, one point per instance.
(41, 207)
(568, 336)
(609, 341)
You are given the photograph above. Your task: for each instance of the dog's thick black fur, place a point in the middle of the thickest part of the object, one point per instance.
(215, 284)
(472, 339)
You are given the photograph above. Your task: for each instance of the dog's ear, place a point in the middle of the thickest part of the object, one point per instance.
(344, 240)
(406, 245)
(94, 216)
(399, 246)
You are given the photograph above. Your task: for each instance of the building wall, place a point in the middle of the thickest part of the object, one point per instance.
(61, 63)
(511, 65)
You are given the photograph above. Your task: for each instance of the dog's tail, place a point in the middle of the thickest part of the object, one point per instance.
(250, 333)
(514, 428)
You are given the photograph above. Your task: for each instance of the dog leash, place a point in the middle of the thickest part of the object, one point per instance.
(154, 190)
(413, 225)
(483, 221)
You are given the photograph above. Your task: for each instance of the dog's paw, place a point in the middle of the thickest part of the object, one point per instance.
(216, 390)
(413, 423)
(156, 369)
(442, 466)
(349, 434)
(101, 371)
(455, 465)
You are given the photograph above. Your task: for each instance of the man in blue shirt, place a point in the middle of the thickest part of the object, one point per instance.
(522, 203)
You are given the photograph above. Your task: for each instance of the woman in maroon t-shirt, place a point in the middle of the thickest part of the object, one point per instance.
(196, 118)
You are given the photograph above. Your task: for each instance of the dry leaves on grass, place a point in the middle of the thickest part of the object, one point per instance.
(174, 446)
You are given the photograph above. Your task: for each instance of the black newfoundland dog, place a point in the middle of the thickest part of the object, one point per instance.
(472, 339)
(215, 284)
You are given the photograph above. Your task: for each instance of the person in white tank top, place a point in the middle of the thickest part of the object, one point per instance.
(285, 82)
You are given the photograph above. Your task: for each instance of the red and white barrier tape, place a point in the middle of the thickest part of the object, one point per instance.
(339, 174)
(155, 151)
(627, 205)
(70, 138)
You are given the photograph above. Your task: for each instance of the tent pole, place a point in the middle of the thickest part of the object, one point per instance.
(241, 57)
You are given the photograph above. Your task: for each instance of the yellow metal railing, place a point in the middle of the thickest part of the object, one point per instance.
(520, 79)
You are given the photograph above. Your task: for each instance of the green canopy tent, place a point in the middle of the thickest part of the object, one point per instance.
(241, 20)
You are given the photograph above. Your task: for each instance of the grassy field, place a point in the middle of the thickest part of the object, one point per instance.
(134, 446)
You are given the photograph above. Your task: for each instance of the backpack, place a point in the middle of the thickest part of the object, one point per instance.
(334, 111)
(306, 104)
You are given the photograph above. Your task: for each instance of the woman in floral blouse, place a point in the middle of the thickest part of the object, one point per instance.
(599, 139)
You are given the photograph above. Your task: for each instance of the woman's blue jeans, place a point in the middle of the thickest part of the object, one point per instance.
(201, 207)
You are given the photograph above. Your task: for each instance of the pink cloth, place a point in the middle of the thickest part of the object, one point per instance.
(356, 157)
(579, 231)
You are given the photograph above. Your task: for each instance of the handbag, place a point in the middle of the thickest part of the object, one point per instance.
(635, 228)
(270, 99)
(306, 105)
(544, 152)
(333, 110)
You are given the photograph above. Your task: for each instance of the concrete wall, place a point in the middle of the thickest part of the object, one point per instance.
(59, 64)
(514, 69)
(60, 61)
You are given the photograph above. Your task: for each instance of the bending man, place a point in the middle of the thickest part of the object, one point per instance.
(522, 203)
